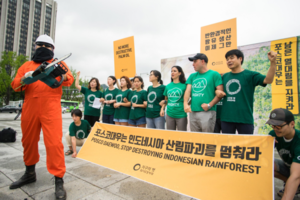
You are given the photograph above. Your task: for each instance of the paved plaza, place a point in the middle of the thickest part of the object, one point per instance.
(83, 180)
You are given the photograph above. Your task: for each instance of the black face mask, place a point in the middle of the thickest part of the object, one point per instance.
(42, 54)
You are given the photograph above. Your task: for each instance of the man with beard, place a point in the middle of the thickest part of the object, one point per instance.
(42, 110)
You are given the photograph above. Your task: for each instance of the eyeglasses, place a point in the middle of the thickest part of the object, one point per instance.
(277, 127)
(44, 44)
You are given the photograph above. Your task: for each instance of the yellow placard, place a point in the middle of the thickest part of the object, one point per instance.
(285, 84)
(216, 40)
(124, 56)
(200, 165)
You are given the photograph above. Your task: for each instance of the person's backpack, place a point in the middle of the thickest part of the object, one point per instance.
(8, 135)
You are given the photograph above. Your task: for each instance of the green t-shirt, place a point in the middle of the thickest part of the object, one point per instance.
(155, 96)
(122, 112)
(89, 97)
(238, 102)
(203, 88)
(80, 132)
(138, 98)
(175, 93)
(109, 95)
(288, 150)
(219, 109)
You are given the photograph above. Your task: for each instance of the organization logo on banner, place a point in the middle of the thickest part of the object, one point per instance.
(175, 94)
(235, 85)
(199, 85)
(152, 97)
(91, 99)
(78, 132)
(119, 98)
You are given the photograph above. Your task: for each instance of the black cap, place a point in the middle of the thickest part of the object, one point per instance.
(279, 115)
(200, 56)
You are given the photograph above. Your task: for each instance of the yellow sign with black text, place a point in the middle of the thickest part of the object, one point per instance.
(124, 56)
(200, 165)
(216, 40)
(285, 84)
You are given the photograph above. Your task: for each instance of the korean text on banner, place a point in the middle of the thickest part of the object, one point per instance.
(216, 40)
(201, 165)
(285, 84)
(124, 56)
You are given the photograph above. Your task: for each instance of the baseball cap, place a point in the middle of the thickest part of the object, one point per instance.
(200, 56)
(280, 115)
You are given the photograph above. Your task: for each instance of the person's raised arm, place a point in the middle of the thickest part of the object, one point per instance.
(77, 81)
(292, 183)
(271, 72)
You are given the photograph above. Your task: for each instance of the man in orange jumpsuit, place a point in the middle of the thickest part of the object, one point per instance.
(42, 110)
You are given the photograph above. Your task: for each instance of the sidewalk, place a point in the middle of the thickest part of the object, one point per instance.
(83, 180)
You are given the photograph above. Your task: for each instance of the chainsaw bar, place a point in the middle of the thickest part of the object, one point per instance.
(50, 65)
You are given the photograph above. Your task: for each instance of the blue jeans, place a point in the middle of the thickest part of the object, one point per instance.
(109, 119)
(158, 122)
(136, 122)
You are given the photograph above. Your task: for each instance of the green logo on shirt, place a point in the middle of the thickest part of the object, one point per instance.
(79, 136)
(233, 86)
(119, 98)
(175, 94)
(151, 97)
(108, 97)
(199, 85)
(91, 98)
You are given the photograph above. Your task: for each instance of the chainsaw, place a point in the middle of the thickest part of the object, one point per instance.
(47, 73)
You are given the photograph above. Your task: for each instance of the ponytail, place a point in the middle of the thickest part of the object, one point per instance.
(161, 82)
(158, 75)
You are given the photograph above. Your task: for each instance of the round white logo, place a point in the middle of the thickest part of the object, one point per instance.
(152, 97)
(175, 94)
(108, 97)
(273, 115)
(298, 157)
(199, 84)
(119, 98)
(91, 98)
(134, 99)
(78, 132)
(233, 81)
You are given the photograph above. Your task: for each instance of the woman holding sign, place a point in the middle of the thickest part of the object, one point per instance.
(155, 100)
(138, 104)
(122, 106)
(109, 98)
(92, 92)
(174, 93)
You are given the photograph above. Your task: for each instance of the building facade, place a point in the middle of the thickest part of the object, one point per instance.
(22, 21)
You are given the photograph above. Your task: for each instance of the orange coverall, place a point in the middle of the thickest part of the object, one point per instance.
(42, 110)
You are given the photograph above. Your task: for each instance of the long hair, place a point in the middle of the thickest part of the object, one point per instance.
(127, 81)
(140, 79)
(182, 78)
(97, 81)
(158, 75)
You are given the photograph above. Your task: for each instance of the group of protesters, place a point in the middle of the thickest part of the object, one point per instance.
(129, 104)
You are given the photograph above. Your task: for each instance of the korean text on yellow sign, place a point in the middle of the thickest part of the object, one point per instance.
(216, 40)
(285, 84)
(201, 165)
(124, 56)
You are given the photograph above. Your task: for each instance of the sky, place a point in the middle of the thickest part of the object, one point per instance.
(161, 28)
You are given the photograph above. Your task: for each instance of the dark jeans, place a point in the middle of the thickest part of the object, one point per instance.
(91, 119)
(109, 119)
(218, 127)
(230, 127)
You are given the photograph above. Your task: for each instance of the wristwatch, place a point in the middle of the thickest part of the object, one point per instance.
(209, 107)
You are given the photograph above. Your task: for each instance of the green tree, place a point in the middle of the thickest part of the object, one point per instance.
(9, 65)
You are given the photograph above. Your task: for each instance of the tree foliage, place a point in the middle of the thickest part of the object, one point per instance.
(9, 65)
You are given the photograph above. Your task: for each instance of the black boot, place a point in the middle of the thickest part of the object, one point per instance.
(60, 192)
(28, 177)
